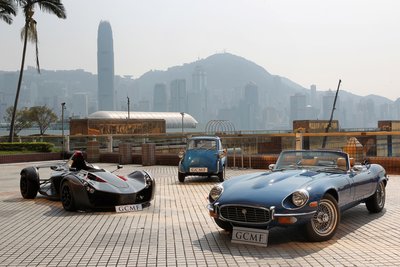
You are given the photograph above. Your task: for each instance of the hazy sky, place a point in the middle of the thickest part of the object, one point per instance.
(308, 41)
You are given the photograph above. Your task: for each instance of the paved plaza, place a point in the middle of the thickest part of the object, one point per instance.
(176, 230)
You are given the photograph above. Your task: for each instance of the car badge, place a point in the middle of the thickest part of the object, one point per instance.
(244, 211)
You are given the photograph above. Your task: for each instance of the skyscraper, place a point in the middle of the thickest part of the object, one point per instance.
(297, 107)
(80, 105)
(197, 97)
(178, 95)
(250, 111)
(327, 104)
(105, 67)
(160, 100)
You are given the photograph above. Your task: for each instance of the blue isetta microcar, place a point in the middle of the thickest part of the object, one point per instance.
(204, 156)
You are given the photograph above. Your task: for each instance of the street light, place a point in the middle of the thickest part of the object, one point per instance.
(128, 108)
(62, 128)
(183, 115)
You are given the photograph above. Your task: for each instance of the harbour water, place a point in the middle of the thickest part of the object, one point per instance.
(33, 131)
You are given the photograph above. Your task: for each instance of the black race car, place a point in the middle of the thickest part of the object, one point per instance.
(83, 186)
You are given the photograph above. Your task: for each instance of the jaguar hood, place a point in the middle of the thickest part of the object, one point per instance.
(268, 188)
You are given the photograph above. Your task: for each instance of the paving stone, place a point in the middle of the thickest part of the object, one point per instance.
(177, 231)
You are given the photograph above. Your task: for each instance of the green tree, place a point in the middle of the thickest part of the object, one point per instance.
(22, 119)
(29, 32)
(7, 10)
(42, 116)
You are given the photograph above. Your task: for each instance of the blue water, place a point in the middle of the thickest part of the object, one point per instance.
(26, 132)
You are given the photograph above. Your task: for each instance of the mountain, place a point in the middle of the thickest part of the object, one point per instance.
(225, 72)
(228, 77)
(237, 89)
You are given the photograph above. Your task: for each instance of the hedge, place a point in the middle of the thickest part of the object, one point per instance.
(27, 146)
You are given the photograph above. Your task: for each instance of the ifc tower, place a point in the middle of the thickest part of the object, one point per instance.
(105, 67)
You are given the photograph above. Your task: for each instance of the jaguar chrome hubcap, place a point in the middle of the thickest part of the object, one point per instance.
(322, 217)
(324, 220)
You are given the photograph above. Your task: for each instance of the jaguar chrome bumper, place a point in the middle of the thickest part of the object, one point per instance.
(280, 218)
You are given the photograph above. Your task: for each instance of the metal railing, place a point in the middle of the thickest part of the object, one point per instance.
(374, 143)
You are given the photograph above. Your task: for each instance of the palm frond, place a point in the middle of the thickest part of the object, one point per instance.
(32, 36)
(53, 7)
(7, 18)
(32, 31)
(7, 10)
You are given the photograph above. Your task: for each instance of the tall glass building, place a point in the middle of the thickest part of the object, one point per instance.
(105, 67)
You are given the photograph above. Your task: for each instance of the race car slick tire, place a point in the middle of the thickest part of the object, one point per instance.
(28, 188)
(181, 177)
(224, 225)
(325, 221)
(67, 197)
(376, 202)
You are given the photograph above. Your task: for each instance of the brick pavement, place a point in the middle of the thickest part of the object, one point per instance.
(177, 231)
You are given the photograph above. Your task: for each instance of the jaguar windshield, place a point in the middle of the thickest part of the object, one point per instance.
(313, 159)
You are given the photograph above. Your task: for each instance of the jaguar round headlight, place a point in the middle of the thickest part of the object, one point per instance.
(300, 198)
(215, 192)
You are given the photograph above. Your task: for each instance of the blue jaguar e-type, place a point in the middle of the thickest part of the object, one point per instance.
(309, 188)
(204, 156)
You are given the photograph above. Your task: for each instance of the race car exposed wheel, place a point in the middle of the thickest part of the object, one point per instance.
(28, 188)
(67, 197)
(181, 177)
(224, 225)
(325, 221)
(376, 202)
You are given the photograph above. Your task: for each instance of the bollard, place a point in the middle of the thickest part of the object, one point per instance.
(234, 157)
(249, 161)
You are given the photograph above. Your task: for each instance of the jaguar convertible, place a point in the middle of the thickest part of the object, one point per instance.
(83, 186)
(308, 188)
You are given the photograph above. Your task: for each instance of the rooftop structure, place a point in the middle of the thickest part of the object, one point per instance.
(172, 119)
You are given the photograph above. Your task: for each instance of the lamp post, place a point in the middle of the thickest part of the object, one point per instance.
(129, 115)
(183, 115)
(62, 128)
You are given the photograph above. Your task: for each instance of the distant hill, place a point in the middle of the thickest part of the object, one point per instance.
(227, 77)
(225, 72)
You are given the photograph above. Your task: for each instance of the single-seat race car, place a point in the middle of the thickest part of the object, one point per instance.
(83, 186)
(309, 188)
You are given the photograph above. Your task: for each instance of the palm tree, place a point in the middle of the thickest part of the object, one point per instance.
(29, 32)
(7, 9)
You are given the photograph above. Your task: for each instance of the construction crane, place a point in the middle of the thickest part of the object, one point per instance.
(330, 120)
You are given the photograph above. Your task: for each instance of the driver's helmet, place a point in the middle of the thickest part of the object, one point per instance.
(78, 161)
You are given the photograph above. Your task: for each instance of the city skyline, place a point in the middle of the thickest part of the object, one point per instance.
(234, 89)
(310, 42)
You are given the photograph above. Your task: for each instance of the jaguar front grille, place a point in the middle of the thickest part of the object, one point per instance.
(245, 214)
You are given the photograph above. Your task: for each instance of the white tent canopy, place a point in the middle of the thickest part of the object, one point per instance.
(172, 119)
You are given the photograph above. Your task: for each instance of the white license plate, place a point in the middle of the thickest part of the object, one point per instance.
(129, 208)
(250, 236)
(198, 170)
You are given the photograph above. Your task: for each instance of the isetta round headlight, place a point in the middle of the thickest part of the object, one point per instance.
(300, 198)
